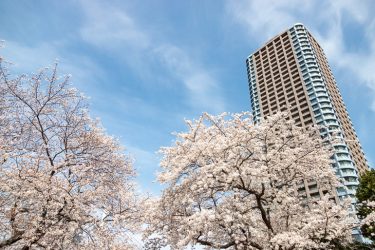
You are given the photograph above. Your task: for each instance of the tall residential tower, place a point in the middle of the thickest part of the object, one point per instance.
(290, 72)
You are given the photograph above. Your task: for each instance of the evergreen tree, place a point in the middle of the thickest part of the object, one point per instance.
(366, 207)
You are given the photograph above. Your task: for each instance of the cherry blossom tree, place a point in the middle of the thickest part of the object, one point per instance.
(231, 184)
(65, 184)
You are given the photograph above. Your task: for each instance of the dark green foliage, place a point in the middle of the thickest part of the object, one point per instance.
(366, 188)
(366, 193)
(355, 246)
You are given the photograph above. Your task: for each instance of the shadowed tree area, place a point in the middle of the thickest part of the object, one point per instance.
(366, 204)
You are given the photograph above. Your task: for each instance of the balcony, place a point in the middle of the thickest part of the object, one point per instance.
(327, 111)
(323, 99)
(351, 191)
(308, 56)
(330, 122)
(349, 174)
(319, 119)
(314, 72)
(341, 149)
(342, 193)
(343, 156)
(345, 163)
(320, 91)
(319, 80)
(325, 104)
(329, 116)
(351, 183)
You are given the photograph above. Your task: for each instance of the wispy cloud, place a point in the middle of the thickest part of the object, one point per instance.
(264, 19)
(110, 27)
(120, 32)
(201, 85)
(23, 57)
(26, 59)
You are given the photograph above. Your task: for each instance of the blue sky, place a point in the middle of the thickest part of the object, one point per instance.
(147, 65)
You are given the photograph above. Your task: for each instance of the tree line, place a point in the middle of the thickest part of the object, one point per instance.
(229, 183)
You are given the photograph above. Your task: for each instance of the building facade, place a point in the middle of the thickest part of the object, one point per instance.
(291, 73)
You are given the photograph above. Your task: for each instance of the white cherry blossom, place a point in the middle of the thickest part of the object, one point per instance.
(231, 184)
(65, 184)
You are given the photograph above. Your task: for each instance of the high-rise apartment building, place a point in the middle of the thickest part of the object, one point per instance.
(290, 72)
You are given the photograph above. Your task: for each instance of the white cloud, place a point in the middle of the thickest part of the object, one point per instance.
(202, 86)
(109, 27)
(27, 59)
(264, 19)
(267, 18)
(360, 63)
(123, 38)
